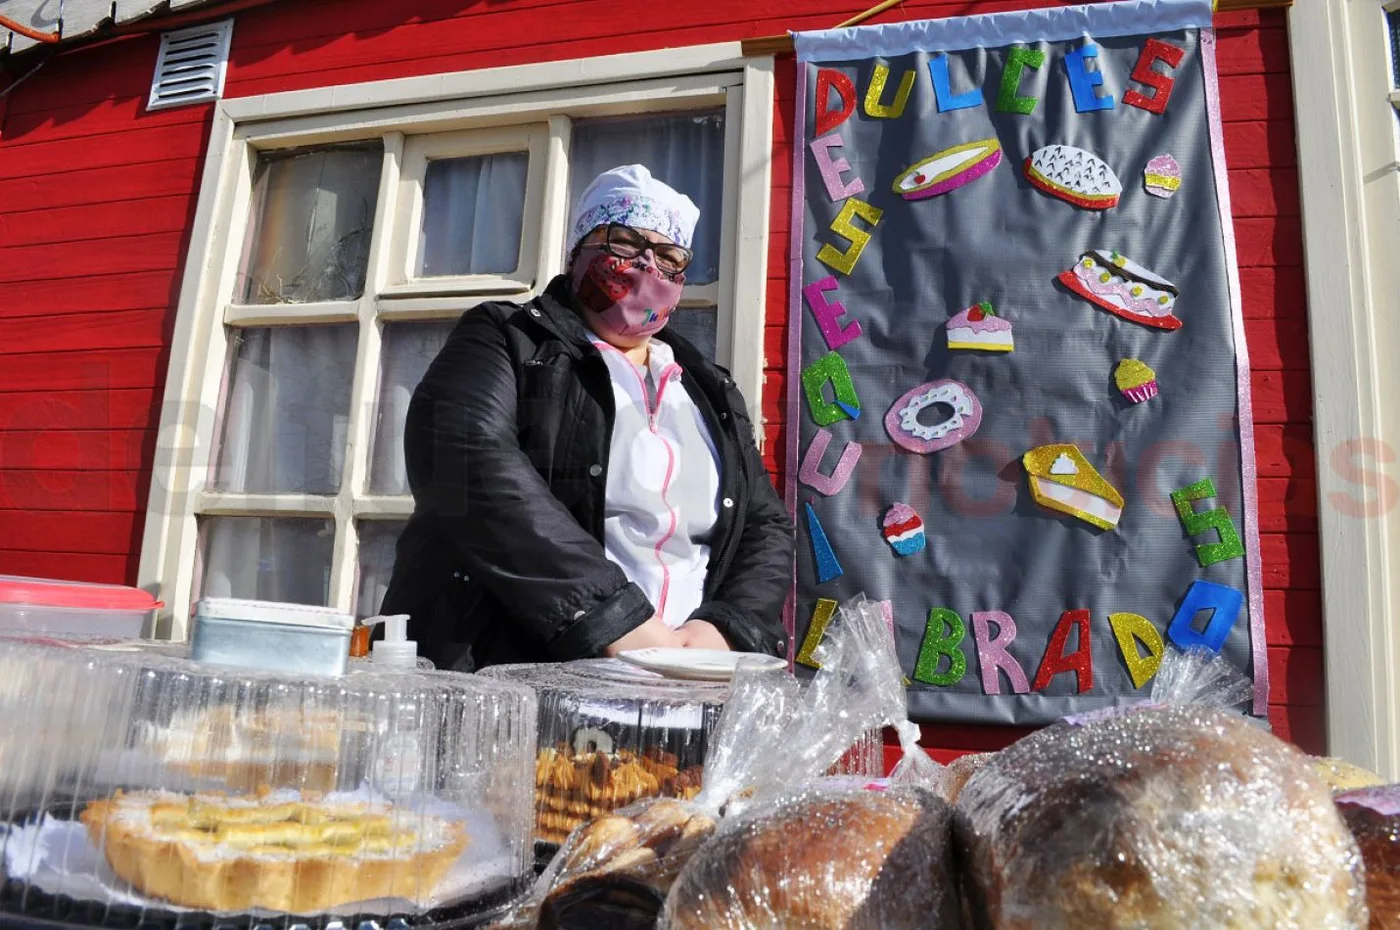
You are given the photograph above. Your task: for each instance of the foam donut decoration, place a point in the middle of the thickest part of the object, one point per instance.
(948, 170)
(903, 424)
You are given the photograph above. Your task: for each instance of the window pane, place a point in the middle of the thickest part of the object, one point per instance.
(698, 326)
(287, 409)
(472, 213)
(313, 213)
(408, 350)
(268, 559)
(685, 151)
(377, 541)
(1393, 21)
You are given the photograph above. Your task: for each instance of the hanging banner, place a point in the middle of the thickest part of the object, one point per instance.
(1019, 395)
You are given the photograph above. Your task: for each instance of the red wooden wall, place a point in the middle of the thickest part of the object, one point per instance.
(97, 197)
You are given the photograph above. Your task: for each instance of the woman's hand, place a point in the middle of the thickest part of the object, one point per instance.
(701, 634)
(650, 634)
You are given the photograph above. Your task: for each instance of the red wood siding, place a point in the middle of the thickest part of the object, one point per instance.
(97, 196)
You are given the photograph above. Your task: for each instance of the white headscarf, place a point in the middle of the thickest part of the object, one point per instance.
(630, 195)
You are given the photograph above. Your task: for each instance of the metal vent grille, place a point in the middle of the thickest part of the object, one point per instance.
(191, 65)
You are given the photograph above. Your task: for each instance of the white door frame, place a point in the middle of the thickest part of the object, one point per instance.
(1347, 153)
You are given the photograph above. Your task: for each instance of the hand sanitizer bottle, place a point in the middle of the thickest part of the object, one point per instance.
(396, 771)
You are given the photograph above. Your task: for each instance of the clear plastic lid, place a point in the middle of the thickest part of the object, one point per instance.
(146, 786)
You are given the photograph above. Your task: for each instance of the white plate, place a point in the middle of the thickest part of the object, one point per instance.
(702, 664)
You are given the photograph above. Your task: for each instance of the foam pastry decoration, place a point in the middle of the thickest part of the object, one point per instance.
(1124, 288)
(905, 427)
(822, 613)
(1224, 604)
(1062, 479)
(828, 313)
(832, 168)
(810, 472)
(1074, 176)
(992, 653)
(876, 91)
(1229, 545)
(903, 529)
(1018, 60)
(948, 169)
(979, 327)
(844, 226)
(1162, 176)
(1129, 630)
(943, 636)
(828, 567)
(830, 368)
(1135, 380)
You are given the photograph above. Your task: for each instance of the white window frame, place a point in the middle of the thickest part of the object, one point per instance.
(396, 111)
(1349, 169)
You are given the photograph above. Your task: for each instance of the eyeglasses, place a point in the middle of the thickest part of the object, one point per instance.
(626, 242)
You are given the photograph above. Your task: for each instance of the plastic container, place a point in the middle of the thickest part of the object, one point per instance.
(38, 605)
(291, 638)
(141, 788)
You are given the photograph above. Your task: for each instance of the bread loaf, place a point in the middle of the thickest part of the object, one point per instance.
(1373, 814)
(1164, 818)
(857, 860)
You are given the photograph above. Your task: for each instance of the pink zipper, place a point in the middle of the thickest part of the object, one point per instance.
(652, 418)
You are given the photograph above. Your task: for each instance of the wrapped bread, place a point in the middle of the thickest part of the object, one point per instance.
(1373, 814)
(856, 860)
(1341, 775)
(1156, 818)
(960, 770)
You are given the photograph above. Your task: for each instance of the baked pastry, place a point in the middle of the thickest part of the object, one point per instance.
(949, 169)
(849, 859)
(1062, 479)
(1124, 288)
(979, 327)
(1373, 815)
(1074, 176)
(283, 851)
(1341, 775)
(572, 788)
(1157, 818)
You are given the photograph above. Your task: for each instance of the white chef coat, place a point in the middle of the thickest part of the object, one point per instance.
(661, 501)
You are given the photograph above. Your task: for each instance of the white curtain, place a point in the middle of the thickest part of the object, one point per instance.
(472, 213)
(268, 559)
(287, 410)
(686, 151)
(312, 218)
(377, 542)
(409, 348)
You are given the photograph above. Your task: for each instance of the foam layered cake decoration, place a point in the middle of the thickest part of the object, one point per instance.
(1116, 283)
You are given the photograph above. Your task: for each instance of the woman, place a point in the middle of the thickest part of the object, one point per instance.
(585, 482)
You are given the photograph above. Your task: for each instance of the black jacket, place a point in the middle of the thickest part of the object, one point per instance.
(506, 445)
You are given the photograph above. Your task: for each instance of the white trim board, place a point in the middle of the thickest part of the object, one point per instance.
(1351, 231)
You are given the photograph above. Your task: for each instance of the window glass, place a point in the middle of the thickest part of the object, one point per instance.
(408, 350)
(268, 558)
(698, 325)
(472, 213)
(377, 541)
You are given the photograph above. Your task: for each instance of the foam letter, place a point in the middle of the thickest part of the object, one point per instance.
(821, 618)
(1129, 630)
(992, 654)
(1196, 523)
(831, 168)
(938, 644)
(1143, 72)
(828, 315)
(943, 88)
(1225, 603)
(876, 90)
(830, 367)
(1081, 661)
(827, 118)
(810, 473)
(1018, 60)
(828, 567)
(1082, 81)
(845, 262)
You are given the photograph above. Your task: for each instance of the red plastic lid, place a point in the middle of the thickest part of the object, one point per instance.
(44, 592)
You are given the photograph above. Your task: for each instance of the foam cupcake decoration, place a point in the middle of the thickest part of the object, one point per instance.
(1136, 380)
(979, 327)
(1162, 177)
(903, 529)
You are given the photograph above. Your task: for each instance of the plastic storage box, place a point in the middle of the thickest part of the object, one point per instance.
(39, 605)
(141, 788)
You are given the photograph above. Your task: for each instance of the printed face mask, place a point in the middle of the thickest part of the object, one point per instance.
(629, 296)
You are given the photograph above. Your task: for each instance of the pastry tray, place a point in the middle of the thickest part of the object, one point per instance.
(25, 904)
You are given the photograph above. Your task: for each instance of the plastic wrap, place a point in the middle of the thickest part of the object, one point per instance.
(146, 787)
(1160, 817)
(857, 860)
(1341, 775)
(1373, 816)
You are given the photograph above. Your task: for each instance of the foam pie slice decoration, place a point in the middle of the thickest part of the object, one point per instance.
(1075, 176)
(1124, 288)
(1062, 479)
(926, 435)
(948, 170)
